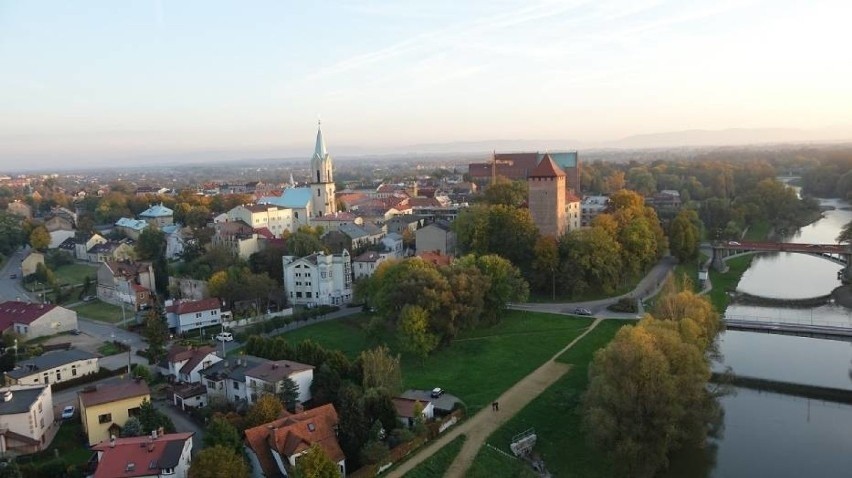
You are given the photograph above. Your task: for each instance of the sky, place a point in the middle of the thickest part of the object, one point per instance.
(112, 80)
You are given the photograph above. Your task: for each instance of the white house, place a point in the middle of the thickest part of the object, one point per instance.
(267, 377)
(174, 240)
(53, 367)
(394, 248)
(26, 417)
(276, 219)
(226, 379)
(296, 199)
(36, 320)
(406, 410)
(83, 243)
(318, 278)
(186, 315)
(154, 456)
(186, 363)
(366, 264)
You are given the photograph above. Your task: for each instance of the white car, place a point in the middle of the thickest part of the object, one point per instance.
(225, 337)
(68, 412)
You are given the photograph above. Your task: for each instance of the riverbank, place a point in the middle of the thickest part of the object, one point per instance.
(804, 303)
(843, 296)
(815, 392)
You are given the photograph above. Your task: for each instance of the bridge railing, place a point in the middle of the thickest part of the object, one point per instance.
(818, 321)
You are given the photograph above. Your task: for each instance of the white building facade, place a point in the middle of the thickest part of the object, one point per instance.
(26, 416)
(318, 279)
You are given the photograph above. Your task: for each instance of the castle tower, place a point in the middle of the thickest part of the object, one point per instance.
(547, 197)
(322, 179)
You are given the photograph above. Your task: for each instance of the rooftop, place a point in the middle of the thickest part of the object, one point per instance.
(140, 456)
(107, 393)
(191, 306)
(14, 311)
(21, 399)
(292, 198)
(157, 210)
(135, 224)
(48, 361)
(405, 406)
(547, 168)
(277, 370)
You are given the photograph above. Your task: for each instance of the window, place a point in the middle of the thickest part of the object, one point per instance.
(133, 412)
(40, 407)
(58, 376)
(73, 372)
(198, 315)
(42, 422)
(167, 471)
(236, 385)
(105, 418)
(308, 295)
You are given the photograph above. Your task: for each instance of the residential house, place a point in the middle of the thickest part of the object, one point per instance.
(131, 228)
(406, 410)
(226, 379)
(318, 278)
(84, 242)
(437, 237)
(59, 223)
(238, 237)
(158, 215)
(591, 207)
(267, 377)
(123, 250)
(573, 211)
(393, 246)
(20, 208)
(276, 220)
(31, 262)
(332, 222)
(126, 282)
(175, 241)
(186, 315)
(105, 408)
(274, 447)
(366, 264)
(404, 222)
(26, 418)
(151, 190)
(53, 367)
(185, 363)
(665, 199)
(155, 456)
(60, 236)
(32, 320)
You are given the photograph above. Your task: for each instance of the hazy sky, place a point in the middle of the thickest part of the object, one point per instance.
(116, 78)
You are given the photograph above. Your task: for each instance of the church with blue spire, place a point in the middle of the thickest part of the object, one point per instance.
(322, 179)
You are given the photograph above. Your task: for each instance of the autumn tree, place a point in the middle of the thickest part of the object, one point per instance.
(151, 246)
(408, 282)
(414, 334)
(505, 283)
(845, 233)
(220, 432)
(590, 260)
(380, 369)
(546, 264)
(684, 235)
(39, 238)
(315, 464)
(156, 333)
(464, 311)
(218, 462)
(504, 230)
(506, 193)
(267, 408)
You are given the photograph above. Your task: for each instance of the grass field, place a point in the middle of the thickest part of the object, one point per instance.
(757, 231)
(725, 281)
(97, 310)
(437, 464)
(67, 441)
(555, 417)
(493, 464)
(479, 365)
(109, 348)
(75, 273)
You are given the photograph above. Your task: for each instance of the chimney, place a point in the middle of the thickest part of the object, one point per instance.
(7, 396)
(299, 408)
(112, 441)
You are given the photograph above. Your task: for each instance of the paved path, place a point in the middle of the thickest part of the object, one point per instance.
(479, 427)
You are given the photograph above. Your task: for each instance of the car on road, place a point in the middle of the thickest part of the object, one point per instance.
(437, 392)
(13, 276)
(582, 311)
(225, 337)
(68, 412)
(89, 298)
(734, 243)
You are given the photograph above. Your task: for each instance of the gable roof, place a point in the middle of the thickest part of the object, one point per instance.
(147, 456)
(547, 168)
(292, 198)
(294, 434)
(48, 361)
(369, 256)
(17, 312)
(405, 406)
(275, 371)
(192, 306)
(134, 224)
(157, 210)
(231, 368)
(107, 393)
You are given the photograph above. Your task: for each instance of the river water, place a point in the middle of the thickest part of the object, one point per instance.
(773, 435)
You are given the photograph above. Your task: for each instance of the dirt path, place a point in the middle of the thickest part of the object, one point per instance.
(479, 427)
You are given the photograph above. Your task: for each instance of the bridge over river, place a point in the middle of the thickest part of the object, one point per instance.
(724, 250)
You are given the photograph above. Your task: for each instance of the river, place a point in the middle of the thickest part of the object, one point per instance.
(768, 434)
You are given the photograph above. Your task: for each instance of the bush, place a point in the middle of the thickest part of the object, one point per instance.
(625, 304)
(399, 436)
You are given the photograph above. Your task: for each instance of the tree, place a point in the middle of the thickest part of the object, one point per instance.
(410, 281)
(506, 193)
(12, 235)
(354, 425)
(157, 334)
(591, 260)
(266, 409)
(268, 261)
(504, 230)
(301, 244)
(132, 428)
(545, 265)
(683, 235)
(220, 432)
(11, 470)
(151, 419)
(289, 393)
(381, 369)
(315, 464)
(218, 462)
(414, 334)
(505, 283)
(40, 238)
(845, 233)
(151, 244)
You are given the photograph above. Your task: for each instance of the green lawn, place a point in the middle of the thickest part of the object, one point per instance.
(109, 348)
(437, 464)
(70, 441)
(97, 310)
(757, 231)
(725, 281)
(479, 365)
(75, 273)
(490, 463)
(556, 419)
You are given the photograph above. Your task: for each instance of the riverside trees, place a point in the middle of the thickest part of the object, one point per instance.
(648, 391)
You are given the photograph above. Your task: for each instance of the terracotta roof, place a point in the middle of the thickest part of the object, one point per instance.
(424, 202)
(405, 406)
(547, 168)
(190, 307)
(338, 216)
(509, 165)
(17, 312)
(264, 232)
(147, 456)
(571, 197)
(193, 357)
(294, 434)
(111, 393)
(369, 256)
(275, 371)
(435, 258)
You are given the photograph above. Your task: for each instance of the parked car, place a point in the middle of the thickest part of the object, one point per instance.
(89, 298)
(733, 243)
(13, 276)
(225, 337)
(68, 412)
(437, 392)
(582, 311)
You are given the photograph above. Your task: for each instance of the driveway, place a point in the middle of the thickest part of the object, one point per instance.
(444, 403)
(182, 423)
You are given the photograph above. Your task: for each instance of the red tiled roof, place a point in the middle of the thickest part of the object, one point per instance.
(264, 232)
(571, 197)
(147, 456)
(294, 434)
(113, 392)
(405, 406)
(424, 202)
(195, 357)
(190, 307)
(547, 168)
(509, 165)
(13, 311)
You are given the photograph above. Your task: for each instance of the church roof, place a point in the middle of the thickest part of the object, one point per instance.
(292, 197)
(319, 149)
(547, 168)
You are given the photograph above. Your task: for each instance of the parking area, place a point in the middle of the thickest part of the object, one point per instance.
(443, 404)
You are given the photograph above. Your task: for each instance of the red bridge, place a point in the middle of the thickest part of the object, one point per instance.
(838, 253)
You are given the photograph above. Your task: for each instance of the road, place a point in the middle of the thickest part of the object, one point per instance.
(647, 287)
(11, 289)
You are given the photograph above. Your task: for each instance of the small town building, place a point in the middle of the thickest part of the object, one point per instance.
(406, 410)
(276, 219)
(158, 215)
(31, 320)
(130, 227)
(318, 279)
(104, 409)
(126, 282)
(155, 456)
(53, 367)
(437, 237)
(186, 315)
(226, 379)
(267, 377)
(31, 262)
(26, 415)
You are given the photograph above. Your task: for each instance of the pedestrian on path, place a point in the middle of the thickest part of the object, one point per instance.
(497, 406)
(493, 406)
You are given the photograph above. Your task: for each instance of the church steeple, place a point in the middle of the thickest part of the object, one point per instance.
(322, 179)
(319, 149)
